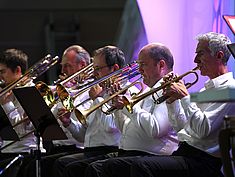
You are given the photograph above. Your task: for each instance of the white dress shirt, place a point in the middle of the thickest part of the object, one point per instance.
(101, 129)
(71, 140)
(148, 128)
(199, 124)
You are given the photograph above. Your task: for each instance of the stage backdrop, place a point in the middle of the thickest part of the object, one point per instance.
(176, 23)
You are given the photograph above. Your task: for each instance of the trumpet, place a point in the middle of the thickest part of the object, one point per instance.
(32, 73)
(136, 98)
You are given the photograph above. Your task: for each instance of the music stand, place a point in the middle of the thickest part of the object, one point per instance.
(45, 124)
(6, 130)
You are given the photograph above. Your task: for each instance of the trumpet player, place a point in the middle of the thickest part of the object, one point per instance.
(147, 131)
(13, 64)
(198, 125)
(101, 135)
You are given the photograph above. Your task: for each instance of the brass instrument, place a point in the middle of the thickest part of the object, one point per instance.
(127, 72)
(47, 93)
(50, 96)
(136, 98)
(2, 83)
(82, 115)
(83, 74)
(32, 73)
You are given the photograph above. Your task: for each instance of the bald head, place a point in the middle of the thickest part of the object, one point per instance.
(159, 51)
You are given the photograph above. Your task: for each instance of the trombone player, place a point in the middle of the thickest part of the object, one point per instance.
(146, 131)
(13, 64)
(74, 59)
(101, 135)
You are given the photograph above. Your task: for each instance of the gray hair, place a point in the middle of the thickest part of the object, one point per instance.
(81, 53)
(216, 42)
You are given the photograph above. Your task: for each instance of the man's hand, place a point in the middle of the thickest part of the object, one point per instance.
(64, 116)
(175, 90)
(118, 101)
(6, 98)
(96, 91)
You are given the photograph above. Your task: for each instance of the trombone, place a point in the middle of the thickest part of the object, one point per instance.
(32, 73)
(123, 74)
(83, 74)
(136, 98)
(128, 71)
(50, 96)
(82, 115)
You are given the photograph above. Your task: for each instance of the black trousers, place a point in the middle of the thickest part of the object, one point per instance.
(79, 167)
(75, 164)
(47, 161)
(120, 165)
(187, 161)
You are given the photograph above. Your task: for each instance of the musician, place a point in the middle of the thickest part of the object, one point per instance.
(100, 134)
(198, 125)
(148, 130)
(13, 64)
(74, 59)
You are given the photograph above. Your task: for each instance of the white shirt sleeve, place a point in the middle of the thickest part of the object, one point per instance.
(107, 121)
(176, 115)
(202, 122)
(76, 129)
(155, 124)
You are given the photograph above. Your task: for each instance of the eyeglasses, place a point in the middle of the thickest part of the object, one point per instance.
(141, 64)
(97, 69)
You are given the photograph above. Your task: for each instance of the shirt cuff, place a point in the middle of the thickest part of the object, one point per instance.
(185, 101)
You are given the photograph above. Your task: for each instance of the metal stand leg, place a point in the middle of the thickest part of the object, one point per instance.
(38, 156)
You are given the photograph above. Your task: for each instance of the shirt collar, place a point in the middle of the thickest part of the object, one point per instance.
(219, 81)
(158, 83)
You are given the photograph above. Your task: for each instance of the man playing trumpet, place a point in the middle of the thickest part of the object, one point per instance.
(198, 125)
